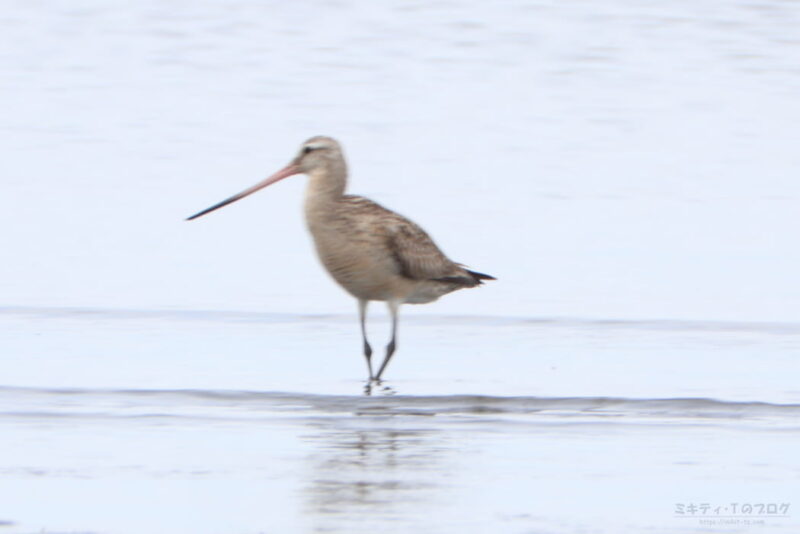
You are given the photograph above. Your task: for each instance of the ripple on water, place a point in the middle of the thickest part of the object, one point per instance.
(197, 404)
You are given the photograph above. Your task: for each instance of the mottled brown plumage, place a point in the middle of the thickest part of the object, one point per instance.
(372, 252)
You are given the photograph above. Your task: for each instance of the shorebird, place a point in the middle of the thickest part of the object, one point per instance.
(374, 253)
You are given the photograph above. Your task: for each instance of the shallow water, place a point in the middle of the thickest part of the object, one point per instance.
(627, 170)
(264, 462)
(165, 421)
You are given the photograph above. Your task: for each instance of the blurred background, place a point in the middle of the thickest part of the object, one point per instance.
(603, 159)
(626, 169)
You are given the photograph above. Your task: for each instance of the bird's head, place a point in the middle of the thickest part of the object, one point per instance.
(318, 153)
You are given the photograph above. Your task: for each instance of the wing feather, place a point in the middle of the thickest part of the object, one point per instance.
(414, 252)
(417, 255)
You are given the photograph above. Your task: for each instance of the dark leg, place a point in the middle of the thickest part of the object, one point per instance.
(390, 348)
(362, 312)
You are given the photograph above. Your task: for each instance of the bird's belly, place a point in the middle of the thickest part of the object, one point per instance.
(362, 270)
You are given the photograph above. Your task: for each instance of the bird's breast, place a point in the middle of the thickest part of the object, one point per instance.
(357, 259)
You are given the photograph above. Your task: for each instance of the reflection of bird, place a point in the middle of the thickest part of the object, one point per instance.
(373, 253)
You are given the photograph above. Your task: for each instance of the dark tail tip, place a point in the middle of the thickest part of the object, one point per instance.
(480, 276)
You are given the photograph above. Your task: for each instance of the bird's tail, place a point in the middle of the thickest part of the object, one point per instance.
(479, 277)
(468, 279)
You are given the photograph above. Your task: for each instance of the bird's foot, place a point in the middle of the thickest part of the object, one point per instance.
(378, 386)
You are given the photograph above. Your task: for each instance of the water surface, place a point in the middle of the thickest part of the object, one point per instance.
(627, 170)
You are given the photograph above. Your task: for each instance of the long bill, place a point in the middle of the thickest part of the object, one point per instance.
(287, 171)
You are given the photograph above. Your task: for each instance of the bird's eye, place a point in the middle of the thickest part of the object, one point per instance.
(307, 149)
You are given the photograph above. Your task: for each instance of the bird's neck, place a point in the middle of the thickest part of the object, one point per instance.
(325, 187)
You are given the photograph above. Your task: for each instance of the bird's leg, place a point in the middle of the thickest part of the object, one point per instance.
(390, 348)
(362, 313)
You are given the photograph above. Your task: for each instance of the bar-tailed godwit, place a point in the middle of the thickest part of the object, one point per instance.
(372, 252)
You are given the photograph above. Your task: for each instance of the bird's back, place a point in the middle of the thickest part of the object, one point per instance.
(377, 254)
